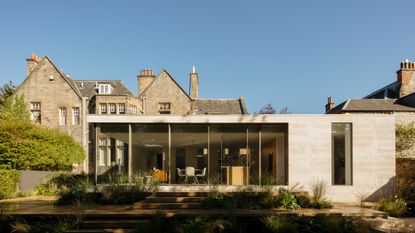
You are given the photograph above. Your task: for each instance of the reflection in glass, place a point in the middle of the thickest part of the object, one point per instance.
(342, 153)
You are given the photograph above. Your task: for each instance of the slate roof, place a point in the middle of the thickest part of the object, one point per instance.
(391, 90)
(220, 106)
(370, 105)
(88, 89)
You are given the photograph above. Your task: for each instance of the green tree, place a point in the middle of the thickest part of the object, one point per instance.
(14, 108)
(405, 139)
(25, 146)
(269, 109)
(6, 91)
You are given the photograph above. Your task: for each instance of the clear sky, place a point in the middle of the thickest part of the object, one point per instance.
(288, 53)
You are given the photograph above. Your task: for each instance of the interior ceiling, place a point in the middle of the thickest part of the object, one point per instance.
(184, 139)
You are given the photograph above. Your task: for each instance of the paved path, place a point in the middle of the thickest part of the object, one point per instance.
(41, 206)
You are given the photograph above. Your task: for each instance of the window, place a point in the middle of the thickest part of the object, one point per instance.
(103, 108)
(104, 89)
(112, 108)
(103, 152)
(341, 139)
(164, 108)
(35, 108)
(75, 116)
(121, 108)
(120, 152)
(133, 109)
(62, 116)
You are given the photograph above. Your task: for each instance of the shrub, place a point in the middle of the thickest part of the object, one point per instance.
(278, 224)
(8, 180)
(24, 146)
(303, 201)
(321, 205)
(395, 208)
(318, 190)
(286, 199)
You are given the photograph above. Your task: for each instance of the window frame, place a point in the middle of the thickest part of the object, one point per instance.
(62, 116)
(347, 181)
(76, 116)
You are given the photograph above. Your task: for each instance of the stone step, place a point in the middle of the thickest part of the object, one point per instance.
(113, 223)
(180, 194)
(152, 199)
(142, 205)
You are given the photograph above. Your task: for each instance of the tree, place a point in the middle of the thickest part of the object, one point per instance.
(14, 108)
(6, 91)
(405, 139)
(269, 109)
(25, 146)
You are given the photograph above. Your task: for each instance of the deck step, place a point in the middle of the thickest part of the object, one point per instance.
(152, 199)
(181, 194)
(121, 223)
(143, 205)
(112, 230)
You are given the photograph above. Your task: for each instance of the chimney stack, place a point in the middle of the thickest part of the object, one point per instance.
(194, 84)
(32, 62)
(330, 104)
(405, 78)
(145, 78)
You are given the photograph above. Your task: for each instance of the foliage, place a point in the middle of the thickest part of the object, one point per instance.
(6, 91)
(203, 225)
(396, 208)
(8, 180)
(318, 190)
(405, 138)
(303, 201)
(14, 108)
(280, 224)
(286, 199)
(144, 185)
(269, 109)
(24, 146)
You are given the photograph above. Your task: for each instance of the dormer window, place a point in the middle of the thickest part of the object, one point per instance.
(104, 89)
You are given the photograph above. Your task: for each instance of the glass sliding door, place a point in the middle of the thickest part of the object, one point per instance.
(189, 153)
(150, 151)
(111, 150)
(235, 156)
(253, 154)
(274, 157)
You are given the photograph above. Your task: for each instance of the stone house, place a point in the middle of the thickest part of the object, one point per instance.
(56, 100)
(174, 135)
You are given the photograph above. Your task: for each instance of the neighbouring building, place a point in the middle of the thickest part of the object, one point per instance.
(397, 98)
(175, 136)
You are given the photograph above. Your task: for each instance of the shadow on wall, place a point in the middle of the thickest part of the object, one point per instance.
(387, 191)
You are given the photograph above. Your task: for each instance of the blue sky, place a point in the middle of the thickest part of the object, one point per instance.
(288, 53)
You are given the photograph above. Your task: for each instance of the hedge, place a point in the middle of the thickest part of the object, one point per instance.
(8, 182)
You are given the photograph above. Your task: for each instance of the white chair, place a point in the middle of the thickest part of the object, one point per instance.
(202, 174)
(190, 173)
(180, 173)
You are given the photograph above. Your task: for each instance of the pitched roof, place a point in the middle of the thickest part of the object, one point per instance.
(63, 75)
(220, 106)
(391, 88)
(89, 87)
(171, 77)
(370, 105)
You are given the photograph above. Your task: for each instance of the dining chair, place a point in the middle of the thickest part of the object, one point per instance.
(180, 173)
(190, 173)
(202, 174)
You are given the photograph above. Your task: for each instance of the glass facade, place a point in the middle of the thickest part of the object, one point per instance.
(233, 154)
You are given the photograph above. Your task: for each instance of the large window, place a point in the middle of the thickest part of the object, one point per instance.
(342, 153)
(62, 116)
